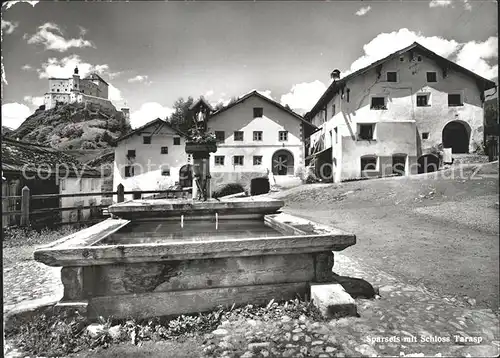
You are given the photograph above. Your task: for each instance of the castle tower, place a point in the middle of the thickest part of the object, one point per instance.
(126, 113)
(76, 80)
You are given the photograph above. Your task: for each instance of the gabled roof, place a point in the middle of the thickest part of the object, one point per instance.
(93, 75)
(150, 124)
(336, 85)
(20, 156)
(274, 103)
(199, 102)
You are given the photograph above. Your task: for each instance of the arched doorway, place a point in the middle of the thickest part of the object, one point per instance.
(456, 136)
(282, 163)
(428, 163)
(186, 176)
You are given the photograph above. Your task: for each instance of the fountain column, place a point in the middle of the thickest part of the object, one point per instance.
(201, 174)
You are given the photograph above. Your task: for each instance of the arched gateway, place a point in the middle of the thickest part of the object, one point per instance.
(456, 136)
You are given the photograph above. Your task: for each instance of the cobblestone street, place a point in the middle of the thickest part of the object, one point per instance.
(405, 320)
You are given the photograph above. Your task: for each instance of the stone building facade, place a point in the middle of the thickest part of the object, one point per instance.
(395, 111)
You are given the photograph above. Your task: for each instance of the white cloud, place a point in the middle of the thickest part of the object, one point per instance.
(114, 94)
(34, 101)
(440, 3)
(467, 5)
(222, 100)
(112, 75)
(148, 112)
(138, 79)
(13, 114)
(26, 67)
(363, 11)
(4, 78)
(209, 93)
(51, 36)
(303, 96)
(266, 93)
(64, 67)
(386, 43)
(473, 56)
(8, 4)
(9, 27)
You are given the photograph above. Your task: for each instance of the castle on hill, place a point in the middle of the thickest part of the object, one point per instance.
(91, 89)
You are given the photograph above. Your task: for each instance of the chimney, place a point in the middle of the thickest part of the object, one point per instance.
(335, 75)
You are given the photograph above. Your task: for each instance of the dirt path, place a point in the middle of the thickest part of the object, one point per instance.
(441, 232)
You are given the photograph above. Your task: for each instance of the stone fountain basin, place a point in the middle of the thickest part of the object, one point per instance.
(145, 268)
(246, 207)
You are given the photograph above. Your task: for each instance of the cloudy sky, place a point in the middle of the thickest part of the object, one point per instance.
(155, 52)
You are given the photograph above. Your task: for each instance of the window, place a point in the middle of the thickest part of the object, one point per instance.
(238, 160)
(219, 160)
(419, 58)
(422, 100)
(336, 135)
(129, 171)
(366, 131)
(165, 172)
(164, 150)
(238, 135)
(257, 135)
(283, 136)
(378, 103)
(257, 160)
(58, 90)
(131, 153)
(333, 110)
(258, 112)
(146, 140)
(220, 136)
(455, 100)
(368, 163)
(425, 135)
(392, 76)
(348, 94)
(431, 77)
(177, 140)
(401, 59)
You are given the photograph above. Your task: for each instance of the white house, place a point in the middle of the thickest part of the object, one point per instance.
(256, 136)
(384, 118)
(150, 157)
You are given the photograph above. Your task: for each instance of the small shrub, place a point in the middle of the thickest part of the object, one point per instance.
(227, 189)
(88, 145)
(47, 334)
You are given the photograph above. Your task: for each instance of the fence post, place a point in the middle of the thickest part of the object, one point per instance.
(25, 206)
(120, 193)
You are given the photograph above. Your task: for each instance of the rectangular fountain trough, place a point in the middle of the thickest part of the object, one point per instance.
(169, 257)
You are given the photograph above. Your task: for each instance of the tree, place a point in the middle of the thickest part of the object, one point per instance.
(182, 117)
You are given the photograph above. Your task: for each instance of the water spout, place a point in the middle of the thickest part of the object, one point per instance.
(182, 221)
(216, 221)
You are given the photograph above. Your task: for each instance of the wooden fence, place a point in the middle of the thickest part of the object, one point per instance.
(26, 198)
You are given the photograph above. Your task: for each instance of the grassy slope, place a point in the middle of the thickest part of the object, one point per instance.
(442, 232)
